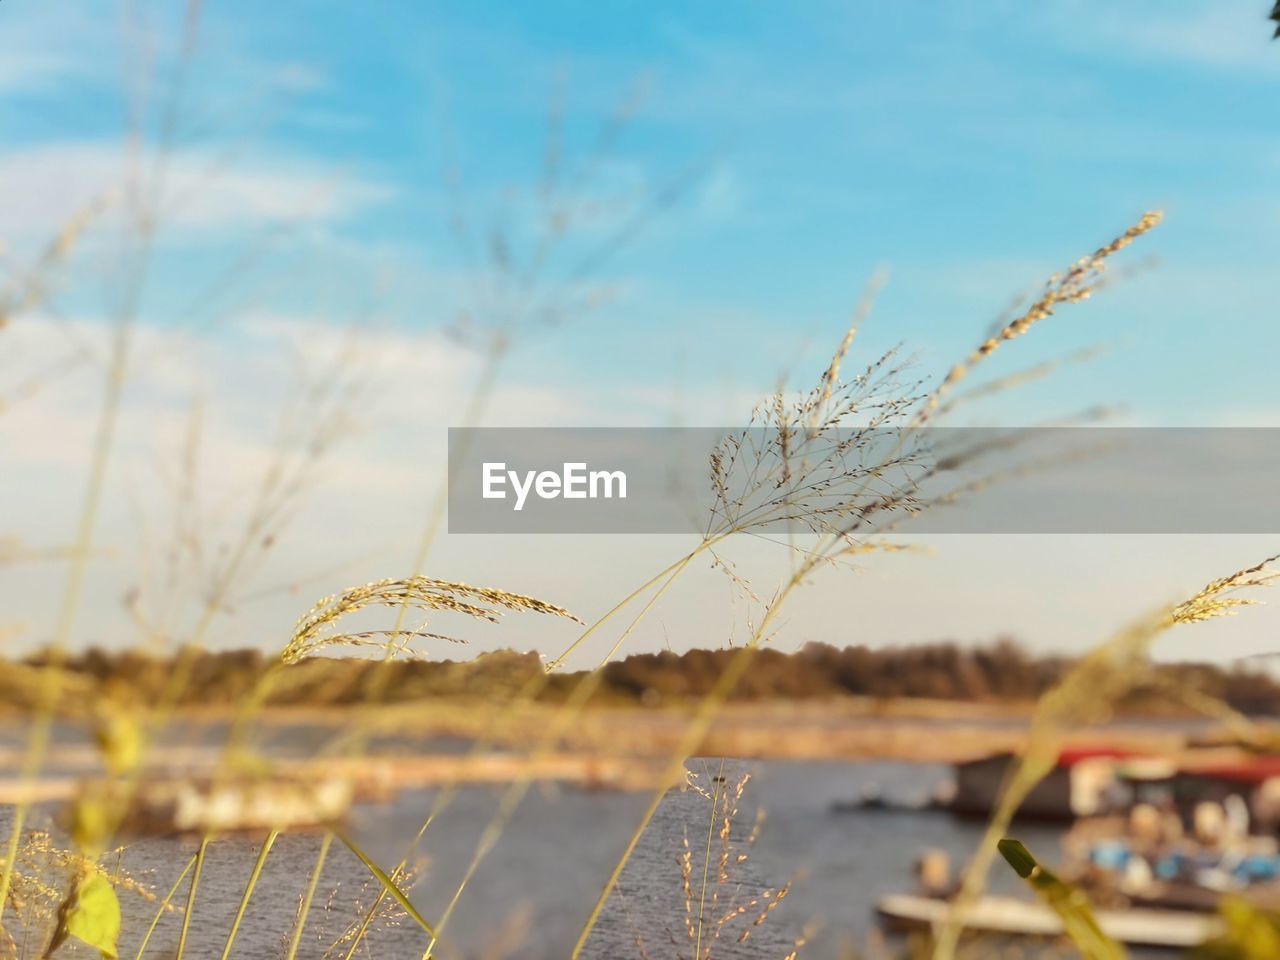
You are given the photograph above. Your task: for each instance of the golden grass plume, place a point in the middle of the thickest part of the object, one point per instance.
(316, 629)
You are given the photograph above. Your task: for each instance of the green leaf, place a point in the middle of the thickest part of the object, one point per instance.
(1069, 903)
(1018, 857)
(388, 884)
(91, 914)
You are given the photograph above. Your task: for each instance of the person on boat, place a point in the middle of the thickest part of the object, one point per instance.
(933, 874)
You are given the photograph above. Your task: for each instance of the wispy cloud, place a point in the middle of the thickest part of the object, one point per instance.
(46, 184)
(26, 71)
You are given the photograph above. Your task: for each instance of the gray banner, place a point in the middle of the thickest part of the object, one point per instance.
(934, 480)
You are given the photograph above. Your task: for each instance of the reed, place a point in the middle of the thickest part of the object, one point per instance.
(798, 475)
(802, 464)
(145, 194)
(165, 904)
(833, 495)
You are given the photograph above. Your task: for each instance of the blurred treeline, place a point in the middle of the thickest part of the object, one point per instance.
(1000, 672)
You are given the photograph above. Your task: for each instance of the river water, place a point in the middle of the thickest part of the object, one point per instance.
(530, 895)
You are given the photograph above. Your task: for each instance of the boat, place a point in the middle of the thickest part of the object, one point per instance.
(1091, 780)
(212, 805)
(1150, 859)
(1011, 916)
(1155, 875)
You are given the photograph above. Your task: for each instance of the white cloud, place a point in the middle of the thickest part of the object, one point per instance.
(47, 184)
(28, 71)
(369, 503)
(363, 509)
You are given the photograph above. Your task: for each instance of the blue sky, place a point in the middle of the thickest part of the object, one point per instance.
(326, 151)
(971, 150)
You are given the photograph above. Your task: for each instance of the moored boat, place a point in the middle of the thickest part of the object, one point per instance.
(1011, 916)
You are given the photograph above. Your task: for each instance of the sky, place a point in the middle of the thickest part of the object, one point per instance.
(370, 186)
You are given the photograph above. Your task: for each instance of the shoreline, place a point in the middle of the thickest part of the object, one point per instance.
(852, 729)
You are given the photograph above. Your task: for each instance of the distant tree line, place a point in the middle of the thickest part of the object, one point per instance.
(1001, 672)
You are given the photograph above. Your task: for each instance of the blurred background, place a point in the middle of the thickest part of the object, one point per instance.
(257, 259)
(324, 224)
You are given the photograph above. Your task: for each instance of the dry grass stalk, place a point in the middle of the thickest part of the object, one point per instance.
(386, 913)
(524, 293)
(733, 910)
(848, 457)
(831, 377)
(32, 286)
(316, 628)
(685, 860)
(1073, 285)
(798, 474)
(837, 496)
(1217, 599)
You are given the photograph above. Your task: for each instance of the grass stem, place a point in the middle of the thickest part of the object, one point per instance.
(191, 898)
(706, 859)
(309, 896)
(248, 890)
(164, 905)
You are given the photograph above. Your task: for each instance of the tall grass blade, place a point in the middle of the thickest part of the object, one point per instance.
(309, 896)
(388, 885)
(248, 890)
(191, 898)
(1067, 901)
(706, 860)
(164, 905)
